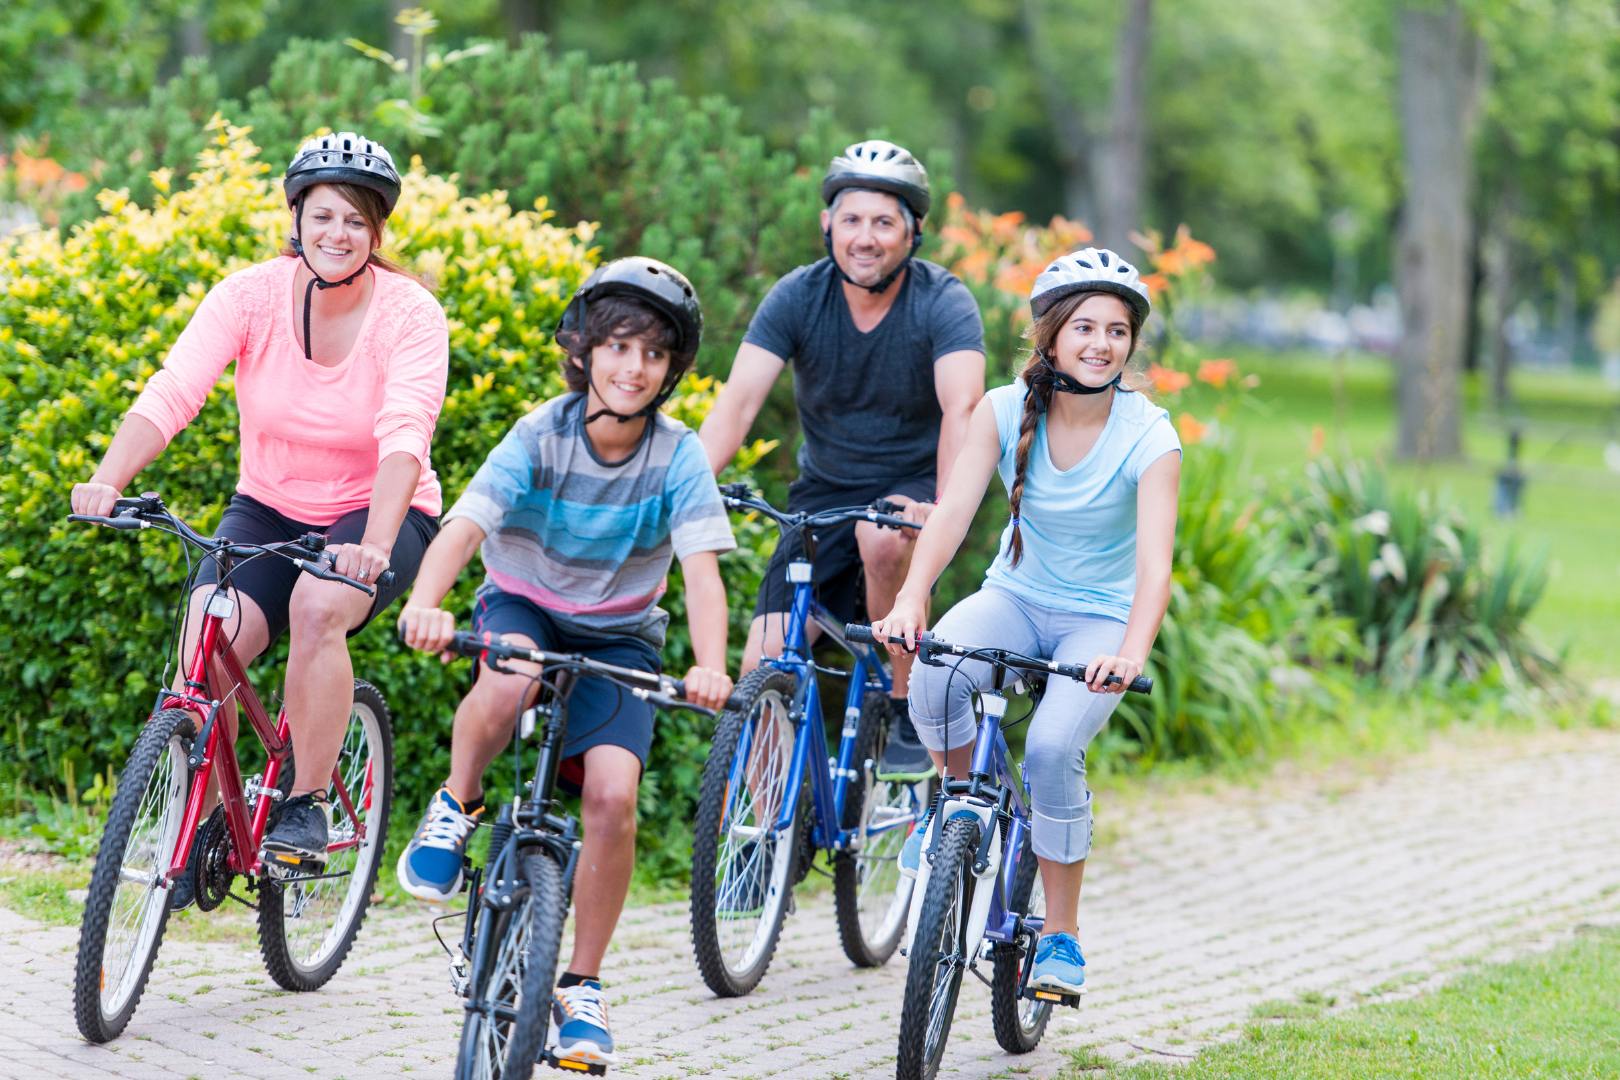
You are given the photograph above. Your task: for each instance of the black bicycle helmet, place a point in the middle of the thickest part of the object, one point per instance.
(343, 158)
(658, 284)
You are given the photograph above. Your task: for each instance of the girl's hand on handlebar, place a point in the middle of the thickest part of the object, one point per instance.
(93, 498)
(364, 562)
(1103, 666)
(707, 687)
(908, 619)
(429, 629)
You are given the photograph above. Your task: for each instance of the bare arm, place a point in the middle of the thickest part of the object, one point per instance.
(947, 525)
(707, 683)
(1156, 496)
(390, 500)
(135, 446)
(422, 622)
(959, 383)
(753, 373)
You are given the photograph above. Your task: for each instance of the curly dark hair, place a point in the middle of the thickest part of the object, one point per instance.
(624, 316)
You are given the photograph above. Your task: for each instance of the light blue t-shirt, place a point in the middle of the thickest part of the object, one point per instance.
(1079, 525)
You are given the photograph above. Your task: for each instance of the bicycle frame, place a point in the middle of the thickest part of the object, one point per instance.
(213, 748)
(829, 777)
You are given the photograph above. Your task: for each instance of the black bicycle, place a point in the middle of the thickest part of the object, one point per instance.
(518, 900)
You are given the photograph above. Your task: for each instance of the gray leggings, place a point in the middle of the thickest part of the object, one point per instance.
(1068, 719)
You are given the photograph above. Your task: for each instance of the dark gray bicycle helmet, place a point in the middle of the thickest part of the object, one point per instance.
(344, 157)
(659, 285)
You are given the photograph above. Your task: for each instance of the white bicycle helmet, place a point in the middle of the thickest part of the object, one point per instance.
(881, 166)
(1089, 270)
(343, 157)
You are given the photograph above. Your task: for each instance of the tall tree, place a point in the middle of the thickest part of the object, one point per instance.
(1119, 167)
(1442, 67)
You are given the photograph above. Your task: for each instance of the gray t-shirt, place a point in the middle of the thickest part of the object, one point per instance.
(867, 402)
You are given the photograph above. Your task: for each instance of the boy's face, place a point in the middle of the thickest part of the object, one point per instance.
(627, 372)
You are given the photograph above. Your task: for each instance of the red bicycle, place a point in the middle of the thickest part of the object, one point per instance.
(307, 922)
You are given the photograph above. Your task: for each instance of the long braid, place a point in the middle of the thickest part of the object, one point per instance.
(1036, 402)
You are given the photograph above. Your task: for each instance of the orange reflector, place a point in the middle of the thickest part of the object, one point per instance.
(1047, 995)
(104, 978)
(565, 1063)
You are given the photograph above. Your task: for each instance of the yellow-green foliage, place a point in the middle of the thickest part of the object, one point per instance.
(85, 320)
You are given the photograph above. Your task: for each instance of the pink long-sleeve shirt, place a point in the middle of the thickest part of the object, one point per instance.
(312, 435)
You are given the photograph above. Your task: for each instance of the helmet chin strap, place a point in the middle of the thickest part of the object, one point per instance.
(888, 279)
(624, 418)
(1048, 375)
(316, 281)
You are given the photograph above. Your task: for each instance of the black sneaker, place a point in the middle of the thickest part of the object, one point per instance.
(904, 755)
(183, 892)
(297, 842)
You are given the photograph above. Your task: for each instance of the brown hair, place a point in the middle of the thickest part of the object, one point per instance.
(374, 212)
(1042, 335)
(625, 316)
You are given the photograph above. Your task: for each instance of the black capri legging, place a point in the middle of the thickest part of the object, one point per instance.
(269, 579)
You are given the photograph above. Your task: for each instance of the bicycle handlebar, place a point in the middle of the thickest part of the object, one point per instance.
(880, 512)
(660, 690)
(149, 512)
(929, 646)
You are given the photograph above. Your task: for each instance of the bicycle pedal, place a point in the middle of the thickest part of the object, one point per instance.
(1055, 997)
(588, 1068)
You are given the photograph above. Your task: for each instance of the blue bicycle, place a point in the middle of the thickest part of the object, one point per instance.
(757, 834)
(978, 894)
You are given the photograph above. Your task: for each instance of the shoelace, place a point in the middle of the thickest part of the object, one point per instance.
(445, 828)
(1067, 949)
(585, 1003)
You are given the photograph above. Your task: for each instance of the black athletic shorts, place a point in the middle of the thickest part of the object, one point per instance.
(269, 579)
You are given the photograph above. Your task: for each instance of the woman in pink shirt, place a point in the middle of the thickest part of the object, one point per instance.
(341, 360)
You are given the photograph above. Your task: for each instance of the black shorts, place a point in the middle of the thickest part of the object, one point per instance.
(269, 579)
(837, 578)
(600, 713)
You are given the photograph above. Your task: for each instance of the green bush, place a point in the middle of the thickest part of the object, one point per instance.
(1428, 602)
(666, 176)
(85, 320)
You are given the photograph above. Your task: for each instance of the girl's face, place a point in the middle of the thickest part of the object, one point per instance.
(337, 240)
(627, 373)
(1095, 342)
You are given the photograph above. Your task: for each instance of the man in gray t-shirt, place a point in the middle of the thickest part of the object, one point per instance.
(889, 351)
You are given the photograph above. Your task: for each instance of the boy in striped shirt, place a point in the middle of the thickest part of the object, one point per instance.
(577, 515)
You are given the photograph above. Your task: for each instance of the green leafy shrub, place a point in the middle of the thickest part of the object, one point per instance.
(667, 176)
(1429, 603)
(86, 320)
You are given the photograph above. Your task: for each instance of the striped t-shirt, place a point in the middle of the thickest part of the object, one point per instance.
(587, 540)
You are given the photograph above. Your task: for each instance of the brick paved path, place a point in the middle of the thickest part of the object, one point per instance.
(1198, 907)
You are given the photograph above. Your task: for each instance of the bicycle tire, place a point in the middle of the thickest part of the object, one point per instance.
(143, 824)
(875, 861)
(520, 973)
(938, 960)
(304, 955)
(714, 858)
(1019, 1022)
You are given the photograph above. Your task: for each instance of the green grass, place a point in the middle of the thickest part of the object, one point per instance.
(1571, 505)
(1548, 1015)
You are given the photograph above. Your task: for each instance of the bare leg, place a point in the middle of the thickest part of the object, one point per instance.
(320, 677)
(602, 878)
(1062, 884)
(485, 721)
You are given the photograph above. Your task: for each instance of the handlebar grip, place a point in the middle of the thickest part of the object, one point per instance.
(1141, 685)
(860, 632)
(385, 579)
(110, 522)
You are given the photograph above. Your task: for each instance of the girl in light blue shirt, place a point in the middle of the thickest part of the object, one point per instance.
(1092, 470)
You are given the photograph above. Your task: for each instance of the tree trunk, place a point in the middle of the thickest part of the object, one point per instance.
(1441, 68)
(399, 42)
(1117, 158)
(527, 17)
(1067, 119)
(1496, 258)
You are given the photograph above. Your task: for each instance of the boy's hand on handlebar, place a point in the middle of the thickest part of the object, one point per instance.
(93, 499)
(908, 619)
(1103, 666)
(363, 562)
(707, 687)
(429, 629)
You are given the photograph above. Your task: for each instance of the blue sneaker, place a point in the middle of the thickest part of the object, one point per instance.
(579, 1017)
(1058, 965)
(911, 854)
(430, 868)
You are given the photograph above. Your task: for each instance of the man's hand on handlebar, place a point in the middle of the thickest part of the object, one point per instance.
(707, 687)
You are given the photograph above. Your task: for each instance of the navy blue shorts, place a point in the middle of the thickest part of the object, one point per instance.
(600, 713)
(269, 579)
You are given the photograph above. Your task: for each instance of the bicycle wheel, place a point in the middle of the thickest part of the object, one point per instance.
(306, 927)
(938, 953)
(127, 906)
(509, 998)
(870, 895)
(1019, 1023)
(741, 866)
